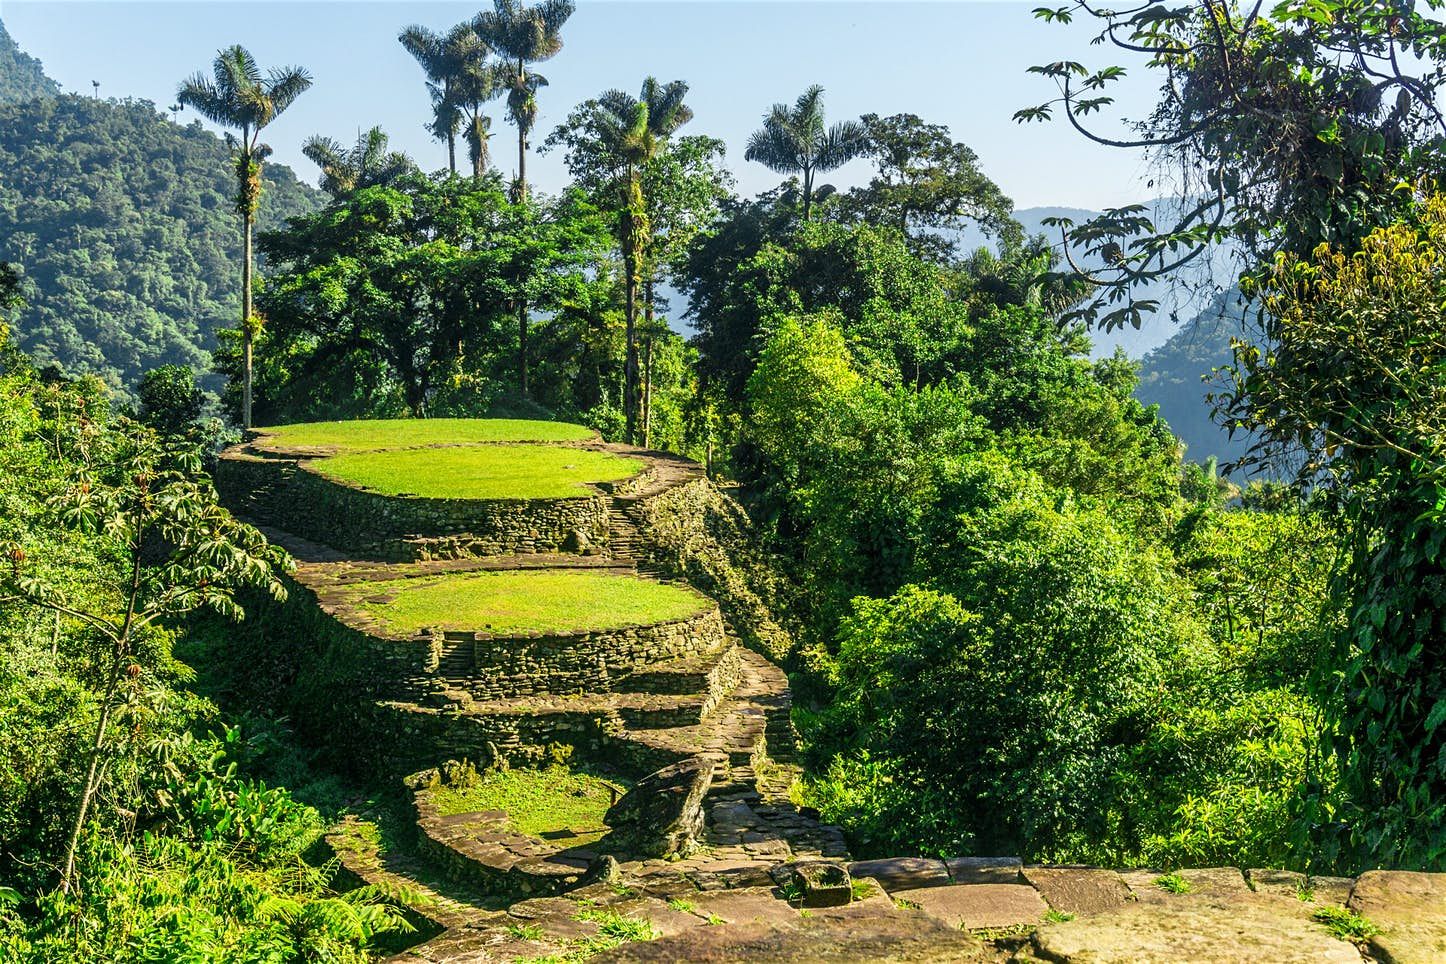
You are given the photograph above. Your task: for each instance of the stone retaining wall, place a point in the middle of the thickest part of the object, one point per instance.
(291, 495)
(570, 664)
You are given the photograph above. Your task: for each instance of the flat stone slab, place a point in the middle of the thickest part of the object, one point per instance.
(1194, 930)
(1222, 882)
(751, 905)
(887, 938)
(1410, 909)
(1079, 890)
(903, 873)
(985, 870)
(977, 906)
(1281, 883)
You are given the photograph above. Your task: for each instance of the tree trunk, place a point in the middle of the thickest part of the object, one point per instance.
(522, 140)
(522, 346)
(452, 152)
(807, 193)
(92, 781)
(633, 225)
(648, 364)
(247, 332)
(521, 163)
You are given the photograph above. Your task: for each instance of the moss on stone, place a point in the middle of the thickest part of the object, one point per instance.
(480, 471)
(523, 601)
(368, 435)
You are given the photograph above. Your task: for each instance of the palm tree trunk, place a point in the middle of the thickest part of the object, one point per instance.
(521, 163)
(648, 364)
(452, 152)
(632, 263)
(522, 346)
(522, 139)
(246, 325)
(807, 193)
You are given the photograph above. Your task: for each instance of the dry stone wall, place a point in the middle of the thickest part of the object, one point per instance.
(291, 495)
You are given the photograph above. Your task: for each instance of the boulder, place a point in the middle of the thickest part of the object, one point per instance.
(662, 814)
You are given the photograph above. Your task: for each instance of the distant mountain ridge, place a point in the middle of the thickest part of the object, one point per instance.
(124, 226)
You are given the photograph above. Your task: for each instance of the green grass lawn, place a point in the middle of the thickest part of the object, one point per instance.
(539, 802)
(511, 601)
(480, 471)
(368, 435)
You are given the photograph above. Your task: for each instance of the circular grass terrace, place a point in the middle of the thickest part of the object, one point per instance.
(370, 435)
(514, 601)
(562, 804)
(513, 471)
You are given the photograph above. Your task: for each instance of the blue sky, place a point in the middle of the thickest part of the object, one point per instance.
(962, 64)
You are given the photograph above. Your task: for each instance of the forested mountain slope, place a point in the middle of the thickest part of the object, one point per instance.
(21, 76)
(1172, 376)
(124, 225)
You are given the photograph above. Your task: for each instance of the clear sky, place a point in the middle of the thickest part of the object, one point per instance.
(959, 63)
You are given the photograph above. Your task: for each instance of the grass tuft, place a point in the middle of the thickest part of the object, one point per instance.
(1346, 925)
(1173, 883)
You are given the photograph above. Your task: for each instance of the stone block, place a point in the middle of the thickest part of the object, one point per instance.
(976, 906)
(984, 870)
(1079, 890)
(1245, 929)
(1410, 909)
(662, 814)
(903, 873)
(823, 884)
(1281, 883)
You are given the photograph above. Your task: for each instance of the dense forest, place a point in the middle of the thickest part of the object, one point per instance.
(22, 77)
(1025, 622)
(124, 225)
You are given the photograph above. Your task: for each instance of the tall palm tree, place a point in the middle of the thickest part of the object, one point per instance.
(347, 169)
(460, 80)
(237, 96)
(797, 140)
(633, 130)
(523, 35)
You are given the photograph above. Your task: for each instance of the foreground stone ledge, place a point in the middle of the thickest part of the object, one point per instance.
(1410, 909)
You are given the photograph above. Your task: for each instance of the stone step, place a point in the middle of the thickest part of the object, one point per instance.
(714, 673)
(637, 711)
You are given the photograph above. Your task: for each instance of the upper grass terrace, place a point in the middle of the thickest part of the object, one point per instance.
(453, 458)
(371, 435)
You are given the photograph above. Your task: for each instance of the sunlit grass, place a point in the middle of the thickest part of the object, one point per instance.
(551, 801)
(480, 471)
(511, 601)
(368, 435)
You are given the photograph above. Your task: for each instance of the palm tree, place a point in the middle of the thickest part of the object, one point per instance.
(460, 80)
(369, 163)
(632, 130)
(523, 35)
(238, 96)
(796, 140)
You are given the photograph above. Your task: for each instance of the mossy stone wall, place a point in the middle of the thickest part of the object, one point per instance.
(288, 494)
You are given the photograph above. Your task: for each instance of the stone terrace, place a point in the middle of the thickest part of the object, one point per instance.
(649, 696)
